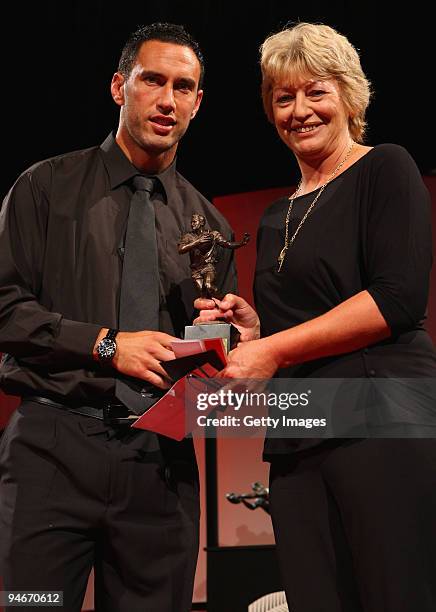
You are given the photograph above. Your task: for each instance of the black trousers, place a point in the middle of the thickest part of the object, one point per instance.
(76, 494)
(355, 525)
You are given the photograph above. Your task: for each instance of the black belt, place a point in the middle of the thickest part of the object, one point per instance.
(110, 413)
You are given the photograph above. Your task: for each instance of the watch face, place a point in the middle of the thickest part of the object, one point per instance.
(106, 349)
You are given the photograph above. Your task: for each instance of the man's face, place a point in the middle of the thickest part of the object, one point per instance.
(196, 222)
(159, 98)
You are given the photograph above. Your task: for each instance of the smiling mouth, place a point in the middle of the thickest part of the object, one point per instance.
(302, 129)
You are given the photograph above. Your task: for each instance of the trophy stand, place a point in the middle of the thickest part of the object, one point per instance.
(214, 329)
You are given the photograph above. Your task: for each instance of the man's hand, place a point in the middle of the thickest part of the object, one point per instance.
(139, 353)
(232, 309)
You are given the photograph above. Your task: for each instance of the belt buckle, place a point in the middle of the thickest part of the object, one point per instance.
(117, 414)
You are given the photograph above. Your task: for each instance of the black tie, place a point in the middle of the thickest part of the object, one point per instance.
(139, 298)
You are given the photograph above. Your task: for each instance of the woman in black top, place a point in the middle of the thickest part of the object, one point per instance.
(341, 289)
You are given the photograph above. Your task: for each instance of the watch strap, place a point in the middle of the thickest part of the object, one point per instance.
(112, 334)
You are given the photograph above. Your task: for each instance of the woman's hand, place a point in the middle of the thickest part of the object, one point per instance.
(253, 359)
(232, 309)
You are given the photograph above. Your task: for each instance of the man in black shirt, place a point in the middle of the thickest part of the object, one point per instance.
(77, 489)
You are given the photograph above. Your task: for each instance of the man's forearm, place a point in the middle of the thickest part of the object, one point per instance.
(37, 336)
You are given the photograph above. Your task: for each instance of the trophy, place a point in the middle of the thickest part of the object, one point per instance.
(203, 246)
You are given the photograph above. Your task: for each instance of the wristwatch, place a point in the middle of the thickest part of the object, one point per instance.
(107, 347)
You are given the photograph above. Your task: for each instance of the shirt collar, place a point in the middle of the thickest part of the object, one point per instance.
(121, 170)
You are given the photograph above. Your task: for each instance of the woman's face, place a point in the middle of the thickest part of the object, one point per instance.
(310, 117)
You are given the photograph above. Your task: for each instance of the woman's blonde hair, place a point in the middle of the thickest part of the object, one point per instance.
(316, 50)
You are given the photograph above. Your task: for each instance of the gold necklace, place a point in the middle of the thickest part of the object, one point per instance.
(288, 243)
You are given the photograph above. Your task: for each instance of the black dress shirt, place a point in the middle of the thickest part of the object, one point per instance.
(62, 229)
(370, 230)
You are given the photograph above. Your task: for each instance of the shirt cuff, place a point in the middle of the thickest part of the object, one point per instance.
(75, 342)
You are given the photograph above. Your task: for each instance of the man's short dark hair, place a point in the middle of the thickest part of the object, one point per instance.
(165, 32)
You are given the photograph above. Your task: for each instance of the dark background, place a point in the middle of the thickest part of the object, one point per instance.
(58, 59)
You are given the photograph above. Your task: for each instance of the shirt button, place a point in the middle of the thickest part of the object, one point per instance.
(372, 372)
